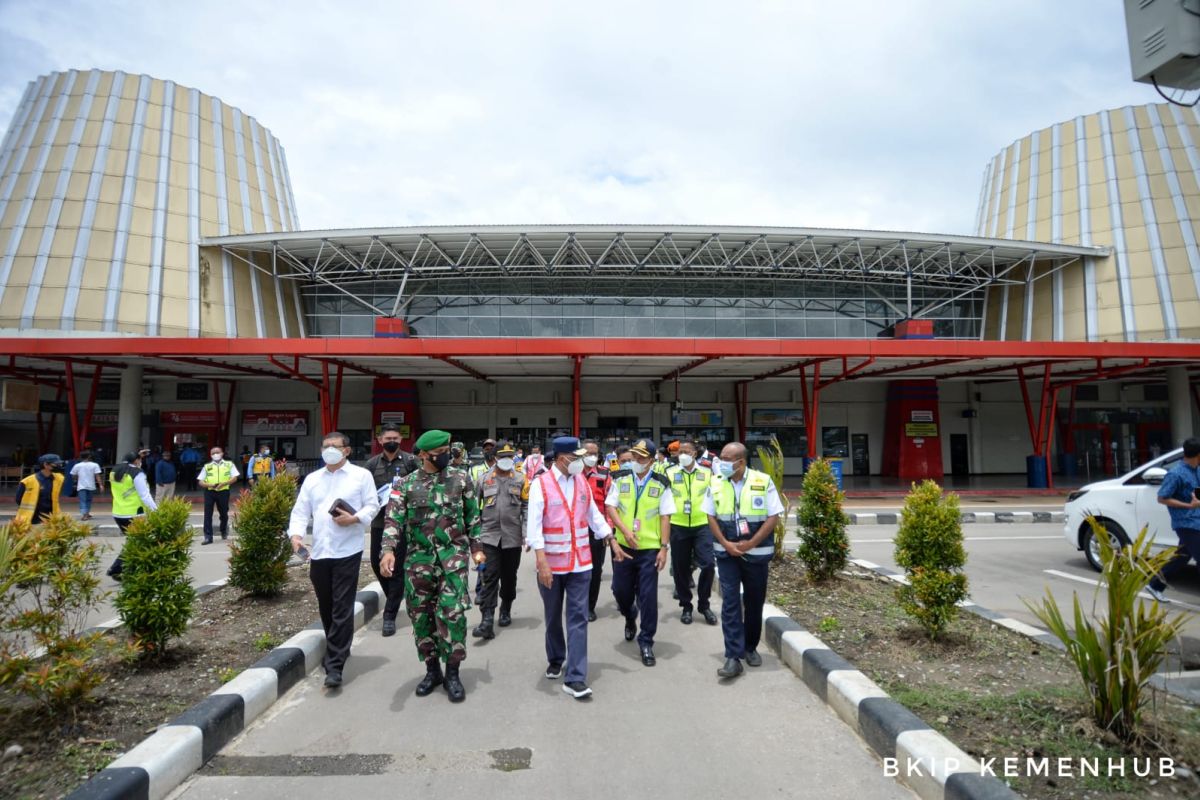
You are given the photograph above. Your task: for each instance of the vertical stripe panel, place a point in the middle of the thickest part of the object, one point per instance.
(983, 190)
(1010, 219)
(1003, 332)
(1150, 221)
(35, 180)
(88, 218)
(1186, 224)
(998, 194)
(158, 244)
(287, 182)
(223, 217)
(19, 120)
(1085, 232)
(1031, 197)
(263, 197)
(116, 274)
(50, 229)
(1118, 229)
(1056, 234)
(285, 222)
(23, 143)
(239, 144)
(194, 212)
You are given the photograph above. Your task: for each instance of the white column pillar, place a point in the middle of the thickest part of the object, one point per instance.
(975, 431)
(129, 413)
(1179, 398)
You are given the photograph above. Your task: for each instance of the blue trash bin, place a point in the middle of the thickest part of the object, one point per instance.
(835, 465)
(1035, 472)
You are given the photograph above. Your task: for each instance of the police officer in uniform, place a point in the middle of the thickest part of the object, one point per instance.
(434, 508)
(690, 536)
(640, 505)
(387, 468)
(216, 477)
(743, 508)
(501, 498)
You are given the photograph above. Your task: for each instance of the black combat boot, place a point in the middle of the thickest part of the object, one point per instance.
(505, 613)
(486, 628)
(454, 686)
(433, 677)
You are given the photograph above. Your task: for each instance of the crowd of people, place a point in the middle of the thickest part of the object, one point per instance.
(432, 516)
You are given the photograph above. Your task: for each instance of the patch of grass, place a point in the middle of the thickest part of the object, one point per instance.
(89, 758)
(227, 674)
(267, 641)
(829, 624)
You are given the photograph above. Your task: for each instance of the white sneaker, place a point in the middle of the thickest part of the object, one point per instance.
(1157, 595)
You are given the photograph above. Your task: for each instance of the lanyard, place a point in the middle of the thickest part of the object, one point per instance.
(639, 488)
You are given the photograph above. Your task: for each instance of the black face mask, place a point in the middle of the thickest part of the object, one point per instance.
(441, 461)
(391, 447)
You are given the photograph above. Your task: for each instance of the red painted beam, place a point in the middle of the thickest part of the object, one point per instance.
(207, 362)
(687, 368)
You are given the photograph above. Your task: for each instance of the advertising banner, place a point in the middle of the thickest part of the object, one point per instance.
(256, 422)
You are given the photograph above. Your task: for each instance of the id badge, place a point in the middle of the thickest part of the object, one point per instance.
(743, 527)
(687, 506)
(637, 526)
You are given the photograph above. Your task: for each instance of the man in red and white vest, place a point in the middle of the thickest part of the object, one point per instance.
(562, 518)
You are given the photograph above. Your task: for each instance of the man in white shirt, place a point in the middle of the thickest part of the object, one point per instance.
(337, 536)
(87, 475)
(564, 559)
(743, 508)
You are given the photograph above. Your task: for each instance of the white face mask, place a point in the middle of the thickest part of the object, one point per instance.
(685, 460)
(504, 464)
(638, 467)
(217, 457)
(331, 455)
(575, 467)
(591, 461)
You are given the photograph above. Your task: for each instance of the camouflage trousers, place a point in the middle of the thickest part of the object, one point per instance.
(437, 598)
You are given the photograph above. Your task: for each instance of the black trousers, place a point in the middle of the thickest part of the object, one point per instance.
(499, 576)
(393, 587)
(221, 501)
(122, 524)
(599, 553)
(1188, 548)
(692, 546)
(335, 581)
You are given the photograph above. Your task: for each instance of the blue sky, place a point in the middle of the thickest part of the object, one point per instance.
(850, 114)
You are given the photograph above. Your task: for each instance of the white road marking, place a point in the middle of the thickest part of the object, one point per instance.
(966, 539)
(1093, 582)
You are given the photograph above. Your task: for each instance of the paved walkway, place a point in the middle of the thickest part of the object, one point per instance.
(671, 731)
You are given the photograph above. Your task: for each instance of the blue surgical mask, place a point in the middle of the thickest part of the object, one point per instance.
(726, 469)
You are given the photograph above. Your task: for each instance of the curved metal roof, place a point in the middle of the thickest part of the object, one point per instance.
(956, 263)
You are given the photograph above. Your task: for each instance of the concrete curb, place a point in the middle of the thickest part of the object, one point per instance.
(944, 772)
(165, 759)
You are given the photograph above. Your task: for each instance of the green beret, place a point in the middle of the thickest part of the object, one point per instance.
(431, 440)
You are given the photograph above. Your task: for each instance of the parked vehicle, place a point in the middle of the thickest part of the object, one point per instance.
(1123, 506)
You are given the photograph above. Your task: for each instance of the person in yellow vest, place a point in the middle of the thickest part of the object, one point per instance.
(130, 498)
(743, 508)
(37, 494)
(216, 477)
(261, 465)
(690, 536)
(477, 471)
(640, 505)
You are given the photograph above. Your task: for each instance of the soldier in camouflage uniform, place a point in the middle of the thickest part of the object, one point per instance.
(436, 509)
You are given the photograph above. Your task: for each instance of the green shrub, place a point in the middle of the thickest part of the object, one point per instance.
(1116, 652)
(266, 641)
(824, 546)
(260, 552)
(929, 546)
(156, 595)
(49, 583)
(771, 458)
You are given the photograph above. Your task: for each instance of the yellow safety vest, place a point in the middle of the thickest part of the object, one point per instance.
(33, 488)
(218, 473)
(643, 508)
(126, 501)
(751, 506)
(689, 487)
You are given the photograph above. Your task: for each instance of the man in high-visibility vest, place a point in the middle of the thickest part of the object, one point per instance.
(640, 506)
(743, 508)
(216, 477)
(690, 536)
(37, 494)
(130, 498)
(489, 461)
(261, 465)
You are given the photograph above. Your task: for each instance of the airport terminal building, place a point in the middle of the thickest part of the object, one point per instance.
(156, 286)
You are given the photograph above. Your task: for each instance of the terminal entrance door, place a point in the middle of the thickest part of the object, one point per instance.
(1093, 446)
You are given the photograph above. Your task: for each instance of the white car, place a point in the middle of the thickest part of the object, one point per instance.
(1124, 506)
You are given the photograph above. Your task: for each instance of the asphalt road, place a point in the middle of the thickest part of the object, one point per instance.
(1009, 562)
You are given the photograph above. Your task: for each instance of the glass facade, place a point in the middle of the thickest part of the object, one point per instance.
(654, 307)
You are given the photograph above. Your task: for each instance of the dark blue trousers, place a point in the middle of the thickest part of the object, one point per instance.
(635, 587)
(1189, 548)
(573, 589)
(743, 593)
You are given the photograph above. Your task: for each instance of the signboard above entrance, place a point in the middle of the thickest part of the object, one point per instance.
(776, 417)
(713, 417)
(256, 422)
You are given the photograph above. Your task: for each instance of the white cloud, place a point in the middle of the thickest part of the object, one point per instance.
(849, 114)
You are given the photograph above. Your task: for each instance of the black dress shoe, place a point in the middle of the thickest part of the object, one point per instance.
(648, 657)
(591, 616)
(686, 616)
(485, 629)
(454, 686)
(433, 678)
(630, 630)
(709, 616)
(333, 679)
(389, 626)
(733, 668)
(224, 536)
(207, 541)
(505, 619)
(754, 659)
